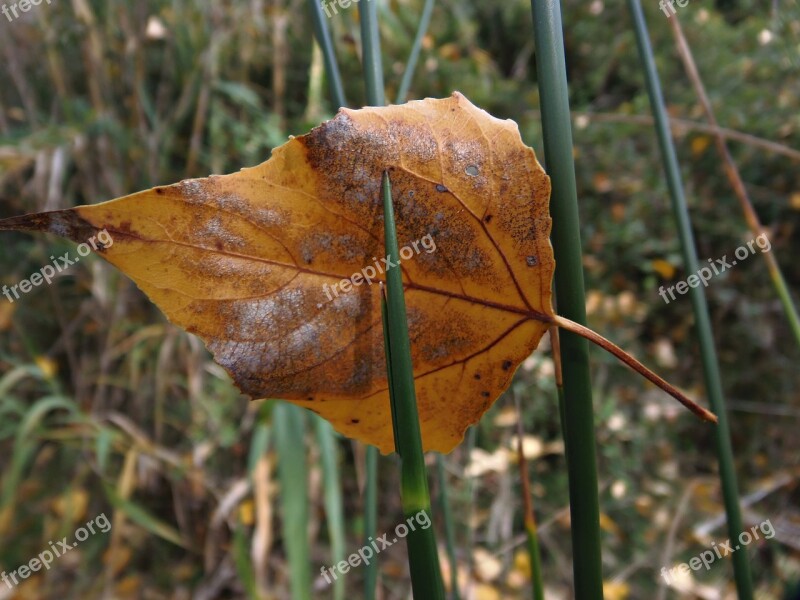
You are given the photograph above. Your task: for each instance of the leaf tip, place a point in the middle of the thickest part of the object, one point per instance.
(64, 223)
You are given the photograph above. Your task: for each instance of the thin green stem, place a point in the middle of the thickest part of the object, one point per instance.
(371, 520)
(320, 23)
(423, 557)
(371, 43)
(289, 427)
(373, 80)
(449, 529)
(332, 487)
(531, 532)
(708, 353)
(579, 433)
(371, 493)
(413, 57)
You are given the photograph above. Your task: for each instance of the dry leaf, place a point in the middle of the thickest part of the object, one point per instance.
(248, 263)
(240, 260)
(616, 590)
(487, 566)
(663, 268)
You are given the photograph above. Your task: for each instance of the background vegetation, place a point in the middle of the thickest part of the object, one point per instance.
(105, 407)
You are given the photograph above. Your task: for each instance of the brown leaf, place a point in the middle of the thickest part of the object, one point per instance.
(248, 262)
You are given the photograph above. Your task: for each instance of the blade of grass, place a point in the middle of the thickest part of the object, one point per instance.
(26, 443)
(334, 510)
(289, 432)
(449, 531)
(242, 562)
(713, 380)
(371, 42)
(471, 494)
(337, 93)
(259, 471)
(423, 557)
(145, 519)
(373, 81)
(375, 92)
(531, 534)
(323, 35)
(371, 520)
(579, 435)
(413, 57)
(555, 344)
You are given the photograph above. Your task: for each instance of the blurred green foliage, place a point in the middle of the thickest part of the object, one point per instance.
(106, 407)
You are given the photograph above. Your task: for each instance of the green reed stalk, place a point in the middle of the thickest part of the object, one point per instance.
(713, 380)
(579, 436)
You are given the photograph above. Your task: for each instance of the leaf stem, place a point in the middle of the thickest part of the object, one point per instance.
(634, 364)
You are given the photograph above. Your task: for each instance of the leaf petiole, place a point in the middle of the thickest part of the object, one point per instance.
(634, 364)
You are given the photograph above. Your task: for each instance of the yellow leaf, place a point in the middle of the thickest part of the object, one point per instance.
(608, 524)
(615, 590)
(72, 505)
(486, 592)
(522, 563)
(248, 262)
(117, 558)
(6, 312)
(506, 417)
(6, 519)
(699, 144)
(532, 446)
(482, 462)
(663, 268)
(273, 267)
(247, 512)
(450, 51)
(129, 587)
(47, 366)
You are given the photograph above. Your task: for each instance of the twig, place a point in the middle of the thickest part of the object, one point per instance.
(634, 364)
(669, 546)
(750, 215)
(682, 125)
